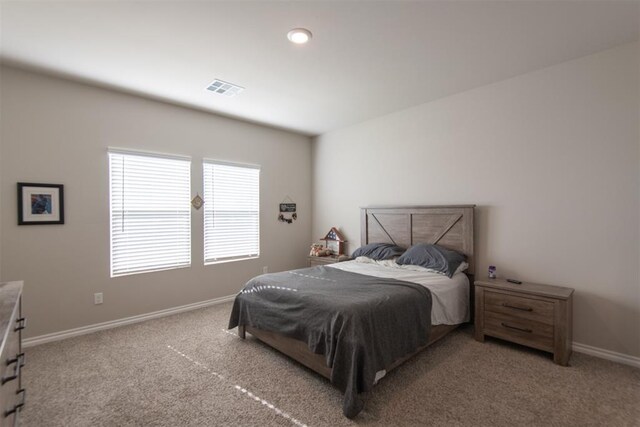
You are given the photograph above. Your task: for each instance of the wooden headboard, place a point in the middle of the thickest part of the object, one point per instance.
(448, 226)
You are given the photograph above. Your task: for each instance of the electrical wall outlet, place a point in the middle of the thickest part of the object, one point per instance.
(97, 298)
(265, 269)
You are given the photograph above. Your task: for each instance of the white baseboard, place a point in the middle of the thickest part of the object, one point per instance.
(56, 336)
(625, 359)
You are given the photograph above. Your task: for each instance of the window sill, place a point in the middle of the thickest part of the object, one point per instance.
(224, 261)
(115, 276)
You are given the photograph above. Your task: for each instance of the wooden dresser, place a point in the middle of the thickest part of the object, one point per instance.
(12, 394)
(530, 314)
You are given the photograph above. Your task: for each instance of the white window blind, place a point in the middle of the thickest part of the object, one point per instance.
(150, 212)
(231, 211)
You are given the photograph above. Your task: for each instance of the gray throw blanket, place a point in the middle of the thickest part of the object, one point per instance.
(361, 324)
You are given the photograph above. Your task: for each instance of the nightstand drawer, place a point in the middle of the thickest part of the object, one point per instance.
(315, 261)
(532, 314)
(519, 307)
(522, 331)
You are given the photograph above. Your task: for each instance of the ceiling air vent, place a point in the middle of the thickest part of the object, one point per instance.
(225, 88)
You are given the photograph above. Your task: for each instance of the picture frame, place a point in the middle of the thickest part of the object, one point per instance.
(40, 204)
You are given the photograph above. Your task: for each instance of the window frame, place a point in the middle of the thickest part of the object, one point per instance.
(156, 155)
(257, 167)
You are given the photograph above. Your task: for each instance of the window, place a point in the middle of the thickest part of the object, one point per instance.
(150, 212)
(231, 211)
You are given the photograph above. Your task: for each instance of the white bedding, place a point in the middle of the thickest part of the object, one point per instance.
(450, 296)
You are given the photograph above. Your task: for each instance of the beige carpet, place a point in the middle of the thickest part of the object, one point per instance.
(186, 370)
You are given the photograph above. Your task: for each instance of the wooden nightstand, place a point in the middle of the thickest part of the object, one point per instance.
(538, 316)
(322, 260)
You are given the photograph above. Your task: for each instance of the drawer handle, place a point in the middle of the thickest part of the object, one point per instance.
(16, 374)
(19, 357)
(18, 406)
(516, 307)
(516, 328)
(22, 323)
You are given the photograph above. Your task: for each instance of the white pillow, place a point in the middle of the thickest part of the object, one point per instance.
(388, 262)
(393, 264)
(383, 262)
(462, 267)
(365, 260)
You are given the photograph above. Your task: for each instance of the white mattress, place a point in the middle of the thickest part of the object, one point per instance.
(450, 296)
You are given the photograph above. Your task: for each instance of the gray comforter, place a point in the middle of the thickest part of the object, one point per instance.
(361, 324)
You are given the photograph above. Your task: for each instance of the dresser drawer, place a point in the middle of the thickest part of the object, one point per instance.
(9, 387)
(10, 397)
(14, 403)
(519, 307)
(519, 330)
(11, 353)
(11, 348)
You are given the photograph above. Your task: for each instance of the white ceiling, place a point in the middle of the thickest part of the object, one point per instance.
(366, 59)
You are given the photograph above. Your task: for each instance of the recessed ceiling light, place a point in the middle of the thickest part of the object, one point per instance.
(299, 35)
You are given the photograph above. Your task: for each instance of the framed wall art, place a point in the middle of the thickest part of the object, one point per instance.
(40, 203)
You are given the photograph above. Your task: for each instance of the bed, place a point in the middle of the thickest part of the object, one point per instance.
(353, 322)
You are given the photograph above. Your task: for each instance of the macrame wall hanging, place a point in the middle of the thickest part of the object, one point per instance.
(288, 212)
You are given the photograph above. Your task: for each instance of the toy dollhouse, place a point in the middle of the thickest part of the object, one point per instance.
(335, 242)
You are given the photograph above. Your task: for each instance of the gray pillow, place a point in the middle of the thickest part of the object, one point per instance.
(433, 257)
(378, 251)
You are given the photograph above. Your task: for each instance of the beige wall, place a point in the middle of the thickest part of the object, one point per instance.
(58, 131)
(551, 160)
